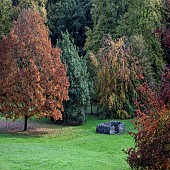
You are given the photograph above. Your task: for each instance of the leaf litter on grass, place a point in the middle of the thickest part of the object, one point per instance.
(36, 129)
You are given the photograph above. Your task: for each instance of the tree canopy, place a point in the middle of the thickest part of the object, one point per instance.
(71, 15)
(118, 74)
(33, 80)
(128, 19)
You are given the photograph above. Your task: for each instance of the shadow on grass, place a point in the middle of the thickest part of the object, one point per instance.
(15, 128)
(36, 129)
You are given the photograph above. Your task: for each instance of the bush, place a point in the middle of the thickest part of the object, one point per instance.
(152, 146)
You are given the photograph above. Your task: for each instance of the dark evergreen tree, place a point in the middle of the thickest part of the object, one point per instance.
(74, 113)
(71, 15)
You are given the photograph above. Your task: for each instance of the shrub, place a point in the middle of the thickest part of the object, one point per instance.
(152, 147)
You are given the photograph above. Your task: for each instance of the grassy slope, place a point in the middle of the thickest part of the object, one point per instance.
(70, 148)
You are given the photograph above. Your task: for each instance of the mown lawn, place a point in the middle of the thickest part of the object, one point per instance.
(65, 148)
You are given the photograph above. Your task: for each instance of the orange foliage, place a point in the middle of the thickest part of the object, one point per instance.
(117, 76)
(33, 80)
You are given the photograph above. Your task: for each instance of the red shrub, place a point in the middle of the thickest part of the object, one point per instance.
(152, 146)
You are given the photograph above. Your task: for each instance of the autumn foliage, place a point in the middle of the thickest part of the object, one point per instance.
(152, 147)
(33, 80)
(117, 77)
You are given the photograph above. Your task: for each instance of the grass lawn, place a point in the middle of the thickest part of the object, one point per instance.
(65, 148)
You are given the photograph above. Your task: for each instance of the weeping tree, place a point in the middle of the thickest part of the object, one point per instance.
(118, 74)
(74, 113)
(33, 80)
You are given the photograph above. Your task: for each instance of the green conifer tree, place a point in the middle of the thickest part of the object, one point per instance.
(78, 77)
(71, 15)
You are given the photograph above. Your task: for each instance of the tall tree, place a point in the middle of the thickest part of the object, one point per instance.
(33, 80)
(118, 75)
(71, 15)
(131, 19)
(141, 19)
(105, 14)
(78, 77)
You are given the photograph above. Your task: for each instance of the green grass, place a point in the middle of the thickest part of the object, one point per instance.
(68, 148)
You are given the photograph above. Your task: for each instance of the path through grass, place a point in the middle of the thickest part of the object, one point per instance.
(65, 148)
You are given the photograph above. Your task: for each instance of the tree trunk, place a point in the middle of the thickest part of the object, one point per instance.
(25, 125)
(91, 107)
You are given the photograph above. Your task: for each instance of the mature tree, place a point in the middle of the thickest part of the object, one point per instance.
(33, 80)
(71, 15)
(78, 77)
(5, 16)
(131, 19)
(105, 14)
(141, 19)
(117, 75)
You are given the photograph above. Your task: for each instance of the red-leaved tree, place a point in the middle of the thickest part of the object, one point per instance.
(33, 80)
(152, 122)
